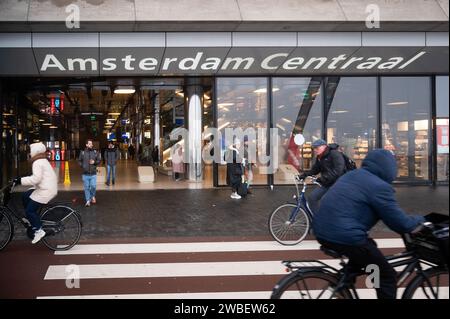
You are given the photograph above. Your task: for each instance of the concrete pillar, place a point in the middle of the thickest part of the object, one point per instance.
(193, 120)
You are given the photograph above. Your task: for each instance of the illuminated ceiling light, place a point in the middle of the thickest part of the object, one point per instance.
(53, 126)
(260, 91)
(114, 113)
(124, 90)
(225, 104)
(398, 103)
(47, 124)
(339, 111)
(41, 120)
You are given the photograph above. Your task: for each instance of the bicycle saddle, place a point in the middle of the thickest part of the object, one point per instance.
(330, 252)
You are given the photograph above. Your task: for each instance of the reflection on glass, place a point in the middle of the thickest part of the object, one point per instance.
(406, 124)
(442, 106)
(242, 103)
(297, 108)
(352, 115)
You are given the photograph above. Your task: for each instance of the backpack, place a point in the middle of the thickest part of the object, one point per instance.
(350, 164)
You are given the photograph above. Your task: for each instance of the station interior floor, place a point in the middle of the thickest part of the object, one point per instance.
(127, 178)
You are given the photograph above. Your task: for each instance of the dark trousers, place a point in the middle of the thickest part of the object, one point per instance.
(368, 254)
(32, 210)
(314, 198)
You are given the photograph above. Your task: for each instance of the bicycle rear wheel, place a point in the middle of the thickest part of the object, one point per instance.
(436, 287)
(314, 284)
(63, 226)
(6, 229)
(286, 229)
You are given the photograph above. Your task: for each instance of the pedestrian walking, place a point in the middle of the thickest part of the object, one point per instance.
(111, 156)
(89, 160)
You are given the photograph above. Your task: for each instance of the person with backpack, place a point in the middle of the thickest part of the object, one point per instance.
(88, 160)
(330, 164)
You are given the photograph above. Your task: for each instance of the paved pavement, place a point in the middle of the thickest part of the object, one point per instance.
(181, 268)
(207, 212)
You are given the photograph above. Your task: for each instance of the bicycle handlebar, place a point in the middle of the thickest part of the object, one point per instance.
(303, 180)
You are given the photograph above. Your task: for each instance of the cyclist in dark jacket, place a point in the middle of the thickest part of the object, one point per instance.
(357, 201)
(330, 164)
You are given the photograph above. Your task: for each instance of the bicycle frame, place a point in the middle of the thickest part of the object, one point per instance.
(301, 201)
(408, 259)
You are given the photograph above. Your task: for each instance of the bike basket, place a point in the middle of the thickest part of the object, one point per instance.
(431, 246)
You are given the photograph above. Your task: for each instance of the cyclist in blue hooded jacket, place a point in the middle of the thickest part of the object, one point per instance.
(353, 205)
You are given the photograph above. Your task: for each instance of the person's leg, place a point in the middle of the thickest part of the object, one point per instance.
(32, 214)
(26, 198)
(108, 174)
(314, 198)
(113, 168)
(93, 183)
(86, 185)
(362, 256)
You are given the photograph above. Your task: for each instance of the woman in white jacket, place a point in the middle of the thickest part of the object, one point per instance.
(45, 188)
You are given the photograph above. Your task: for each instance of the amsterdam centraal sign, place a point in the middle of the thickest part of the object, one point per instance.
(222, 53)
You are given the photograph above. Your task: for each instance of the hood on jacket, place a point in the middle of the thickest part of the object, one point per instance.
(381, 163)
(37, 148)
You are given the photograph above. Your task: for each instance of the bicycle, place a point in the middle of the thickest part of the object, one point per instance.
(61, 223)
(290, 223)
(425, 261)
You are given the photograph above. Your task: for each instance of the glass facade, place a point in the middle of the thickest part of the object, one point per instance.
(242, 103)
(358, 113)
(442, 129)
(351, 117)
(406, 126)
(297, 108)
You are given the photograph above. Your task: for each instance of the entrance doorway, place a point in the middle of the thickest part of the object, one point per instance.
(137, 115)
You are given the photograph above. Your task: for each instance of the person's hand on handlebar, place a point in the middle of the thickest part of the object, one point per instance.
(17, 181)
(423, 227)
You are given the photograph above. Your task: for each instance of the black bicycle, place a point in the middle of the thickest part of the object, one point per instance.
(61, 223)
(425, 263)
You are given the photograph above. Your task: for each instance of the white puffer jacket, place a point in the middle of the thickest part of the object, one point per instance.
(43, 179)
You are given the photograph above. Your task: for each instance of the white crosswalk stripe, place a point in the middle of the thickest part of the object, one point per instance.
(205, 247)
(254, 278)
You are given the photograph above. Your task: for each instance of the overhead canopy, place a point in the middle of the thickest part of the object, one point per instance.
(223, 53)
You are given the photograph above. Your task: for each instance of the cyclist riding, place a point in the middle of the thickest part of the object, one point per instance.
(357, 201)
(330, 164)
(45, 188)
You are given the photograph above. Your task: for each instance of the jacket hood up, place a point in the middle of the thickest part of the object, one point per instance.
(381, 163)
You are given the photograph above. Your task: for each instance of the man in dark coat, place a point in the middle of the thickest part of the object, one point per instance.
(357, 201)
(235, 168)
(330, 164)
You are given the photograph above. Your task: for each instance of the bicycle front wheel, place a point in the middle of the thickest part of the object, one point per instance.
(433, 286)
(314, 284)
(289, 224)
(63, 226)
(6, 229)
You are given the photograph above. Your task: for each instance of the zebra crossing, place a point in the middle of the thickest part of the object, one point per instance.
(185, 270)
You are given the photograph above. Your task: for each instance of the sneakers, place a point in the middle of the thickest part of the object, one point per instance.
(93, 200)
(38, 235)
(88, 203)
(235, 196)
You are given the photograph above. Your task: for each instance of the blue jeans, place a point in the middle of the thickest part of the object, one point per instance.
(314, 198)
(90, 186)
(31, 210)
(111, 171)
